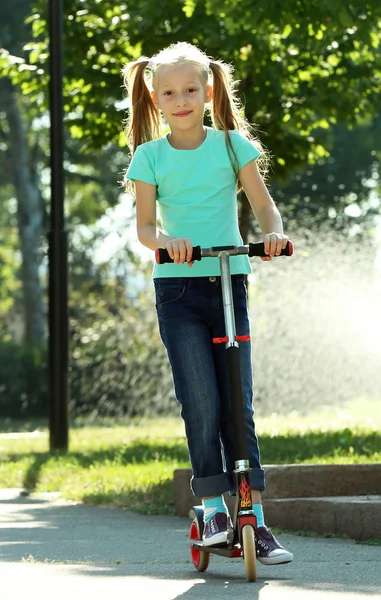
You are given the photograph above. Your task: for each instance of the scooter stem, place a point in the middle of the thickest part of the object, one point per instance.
(234, 367)
(227, 297)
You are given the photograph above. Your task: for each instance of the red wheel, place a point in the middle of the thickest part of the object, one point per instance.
(200, 559)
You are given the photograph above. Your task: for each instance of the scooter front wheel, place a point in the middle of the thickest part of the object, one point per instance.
(249, 554)
(200, 559)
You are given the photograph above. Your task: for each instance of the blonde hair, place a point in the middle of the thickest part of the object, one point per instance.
(144, 122)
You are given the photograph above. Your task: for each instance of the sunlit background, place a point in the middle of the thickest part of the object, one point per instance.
(313, 93)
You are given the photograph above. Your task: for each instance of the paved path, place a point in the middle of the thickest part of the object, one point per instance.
(55, 550)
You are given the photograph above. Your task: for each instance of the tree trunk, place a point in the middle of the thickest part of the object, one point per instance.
(29, 216)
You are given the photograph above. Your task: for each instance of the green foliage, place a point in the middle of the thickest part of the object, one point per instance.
(14, 31)
(351, 176)
(119, 366)
(9, 285)
(118, 363)
(302, 66)
(23, 377)
(92, 182)
(9, 262)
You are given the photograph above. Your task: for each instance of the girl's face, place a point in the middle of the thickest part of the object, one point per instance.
(181, 92)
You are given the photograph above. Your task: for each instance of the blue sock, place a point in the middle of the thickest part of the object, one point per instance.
(258, 511)
(213, 506)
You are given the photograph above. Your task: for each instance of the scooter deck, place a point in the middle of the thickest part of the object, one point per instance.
(200, 544)
(224, 549)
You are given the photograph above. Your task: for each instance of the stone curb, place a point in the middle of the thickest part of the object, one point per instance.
(358, 517)
(336, 499)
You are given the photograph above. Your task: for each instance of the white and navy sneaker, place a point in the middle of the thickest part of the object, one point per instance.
(216, 529)
(269, 550)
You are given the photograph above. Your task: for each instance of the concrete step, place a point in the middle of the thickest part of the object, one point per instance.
(336, 499)
(301, 481)
(357, 517)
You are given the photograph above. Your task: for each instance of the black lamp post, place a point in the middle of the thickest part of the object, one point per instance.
(58, 348)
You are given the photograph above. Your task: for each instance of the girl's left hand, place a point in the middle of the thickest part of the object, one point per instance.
(274, 244)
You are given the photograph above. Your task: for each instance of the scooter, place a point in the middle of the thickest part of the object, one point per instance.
(241, 541)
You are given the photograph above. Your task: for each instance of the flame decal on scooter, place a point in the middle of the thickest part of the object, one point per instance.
(244, 493)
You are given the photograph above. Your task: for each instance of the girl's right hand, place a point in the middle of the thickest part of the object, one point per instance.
(180, 250)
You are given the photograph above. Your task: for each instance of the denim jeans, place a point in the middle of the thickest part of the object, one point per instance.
(190, 314)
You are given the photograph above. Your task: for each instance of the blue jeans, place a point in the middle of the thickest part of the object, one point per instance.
(190, 313)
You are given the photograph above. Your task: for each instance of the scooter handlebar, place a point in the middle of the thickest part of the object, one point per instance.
(162, 256)
(257, 249)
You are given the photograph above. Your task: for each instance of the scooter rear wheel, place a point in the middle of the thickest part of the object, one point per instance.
(200, 559)
(249, 554)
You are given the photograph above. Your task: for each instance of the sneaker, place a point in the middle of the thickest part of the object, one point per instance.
(216, 529)
(269, 550)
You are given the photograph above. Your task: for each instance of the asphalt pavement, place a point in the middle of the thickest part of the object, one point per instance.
(53, 550)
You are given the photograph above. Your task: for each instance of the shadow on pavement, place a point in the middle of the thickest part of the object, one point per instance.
(111, 542)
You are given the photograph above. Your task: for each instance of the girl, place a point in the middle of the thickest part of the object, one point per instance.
(192, 173)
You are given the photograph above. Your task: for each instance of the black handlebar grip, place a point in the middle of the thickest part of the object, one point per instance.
(259, 249)
(162, 256)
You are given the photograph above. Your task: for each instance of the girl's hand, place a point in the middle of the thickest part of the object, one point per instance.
(274, 244)
(180, 250)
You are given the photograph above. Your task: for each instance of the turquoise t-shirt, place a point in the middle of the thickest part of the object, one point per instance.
(196, 196)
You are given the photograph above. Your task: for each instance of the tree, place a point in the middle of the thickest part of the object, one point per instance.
(351, 176)
(21, 152)
(302, 66)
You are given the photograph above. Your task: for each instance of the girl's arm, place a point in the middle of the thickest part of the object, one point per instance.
(264, 208)
(179, 249)
(148, 234)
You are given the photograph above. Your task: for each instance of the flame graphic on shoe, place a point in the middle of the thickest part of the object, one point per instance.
(244, 493)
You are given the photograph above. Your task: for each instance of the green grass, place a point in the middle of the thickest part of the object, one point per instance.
(131, 464)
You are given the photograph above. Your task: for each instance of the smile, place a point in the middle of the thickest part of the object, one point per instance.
(184, 113)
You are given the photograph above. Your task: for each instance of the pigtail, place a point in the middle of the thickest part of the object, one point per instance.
(226, 114)
(144, 120)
